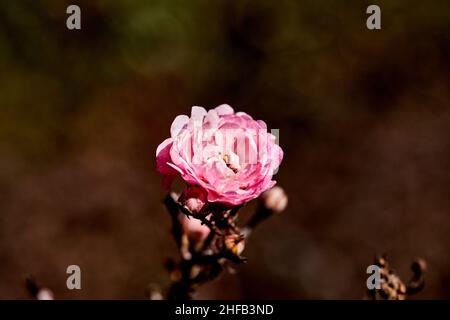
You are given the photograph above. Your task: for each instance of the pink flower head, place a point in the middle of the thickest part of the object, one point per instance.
(229, 155)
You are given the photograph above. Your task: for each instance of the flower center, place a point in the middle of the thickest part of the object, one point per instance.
(233, 166)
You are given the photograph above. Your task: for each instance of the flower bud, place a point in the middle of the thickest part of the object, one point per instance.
(193, 199)
(194, 229)
(45, 294)
(154, 292)
(275, 199)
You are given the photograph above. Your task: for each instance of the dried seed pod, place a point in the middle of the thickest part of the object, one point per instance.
(391, 286)
(417, 281)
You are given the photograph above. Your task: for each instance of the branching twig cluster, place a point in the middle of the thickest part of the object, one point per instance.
(213, 243)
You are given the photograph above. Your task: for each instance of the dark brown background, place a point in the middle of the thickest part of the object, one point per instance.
(364, 121)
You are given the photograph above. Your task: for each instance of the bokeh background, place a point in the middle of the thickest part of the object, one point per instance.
(364, 119)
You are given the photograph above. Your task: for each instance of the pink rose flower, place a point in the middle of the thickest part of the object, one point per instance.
(229, 155)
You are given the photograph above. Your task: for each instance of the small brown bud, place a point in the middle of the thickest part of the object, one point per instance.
(235, 244)
(195, 271)
(175, 275)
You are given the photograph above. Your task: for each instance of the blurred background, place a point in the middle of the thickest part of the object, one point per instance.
(364, 120)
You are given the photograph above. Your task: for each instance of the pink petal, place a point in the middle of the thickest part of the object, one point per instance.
(163, 146)
(224, 109)
(178, 124)
(212, 118)
(162, 160)
(197, 115)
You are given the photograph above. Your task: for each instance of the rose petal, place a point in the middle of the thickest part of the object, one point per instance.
(197, 115)
(224, 109)
(178, 124)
